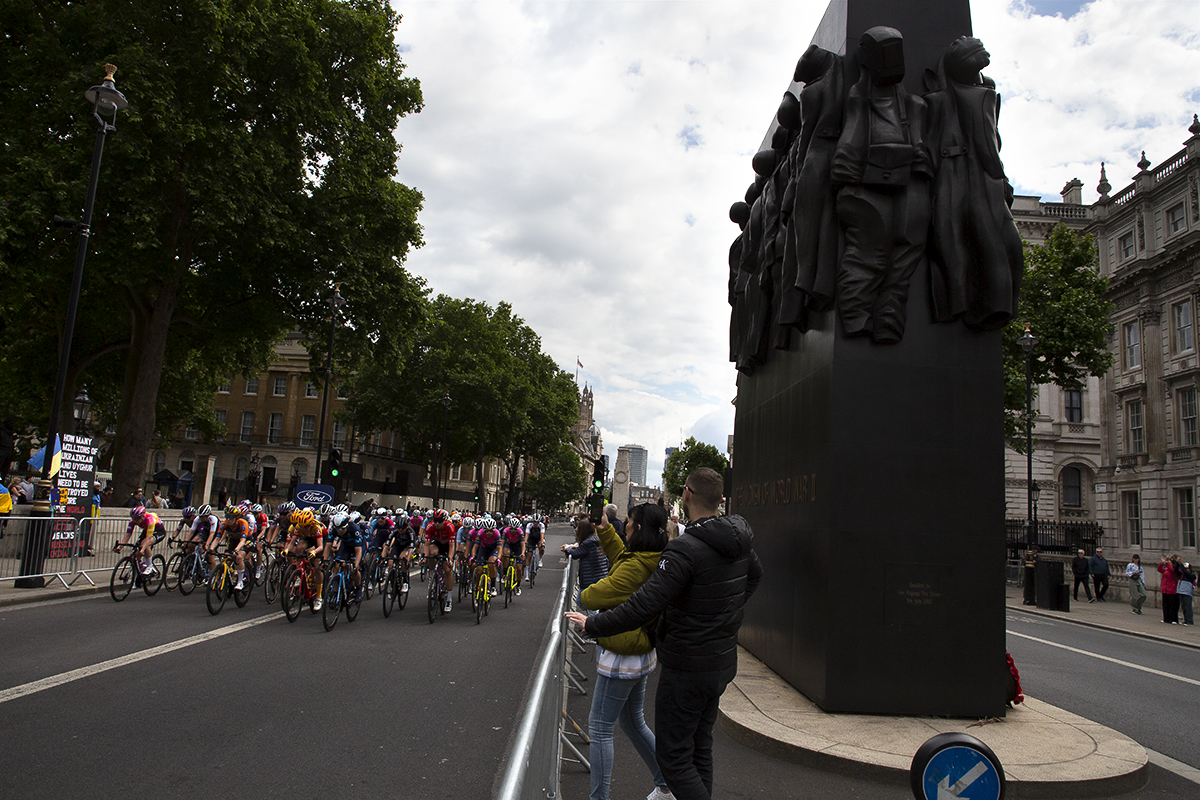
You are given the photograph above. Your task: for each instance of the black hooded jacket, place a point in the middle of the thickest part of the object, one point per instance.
(703, 580)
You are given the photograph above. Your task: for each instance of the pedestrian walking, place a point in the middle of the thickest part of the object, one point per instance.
(1185, 588)
(699, 588)
(624, 661)
(1168, 584)
(1079, 568)
(1137, 583)
(1098, 568)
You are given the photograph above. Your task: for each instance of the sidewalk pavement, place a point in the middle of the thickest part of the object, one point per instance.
(1113, 615)
(1046, 751)
(12, 596)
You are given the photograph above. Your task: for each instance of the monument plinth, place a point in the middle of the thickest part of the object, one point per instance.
(869, 428)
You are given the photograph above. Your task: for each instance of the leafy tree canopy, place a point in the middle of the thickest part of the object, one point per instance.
(560, 478)
(684, 460)
(1063, 298)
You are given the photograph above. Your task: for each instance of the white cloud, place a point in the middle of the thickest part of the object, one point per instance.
(578, 159)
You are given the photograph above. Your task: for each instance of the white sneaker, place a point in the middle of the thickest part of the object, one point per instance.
(446, 607)
(317, 604)
(518, 595)
(258, 576)
(237, 587)
(539, 567)
(493, 591)
(660, 794)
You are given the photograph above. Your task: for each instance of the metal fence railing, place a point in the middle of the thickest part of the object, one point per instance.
(1054, 536)
(532, 768)
(63, 549)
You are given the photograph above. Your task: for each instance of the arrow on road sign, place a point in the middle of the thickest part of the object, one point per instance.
(947, 792)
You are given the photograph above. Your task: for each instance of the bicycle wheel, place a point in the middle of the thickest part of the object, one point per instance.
(508, 580)
(333, 600)
(401, 578)
(273, 580)
(353, 605)
(189, 574)
(121, 582)
(388, 591)
(174, 572)
(533, 569)
(434, 600)
(242, 596)
(291, 590)
(423, 569)
(214, 597)
(369, 571)
(158, 572)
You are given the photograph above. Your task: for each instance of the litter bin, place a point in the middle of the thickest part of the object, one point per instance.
(1049, 579)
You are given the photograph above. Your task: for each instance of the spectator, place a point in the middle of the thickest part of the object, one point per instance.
(593, 564)
(625, 660)
(136, 499)
(106, 496)
(1185, 587)
(1137, 583)
(1098, 568)
(673, 528)
(610, 511)
(222, 495)
(26, 490)
(157, 500)
(1167, 585)
(1079, 568)
(702, 582)
(6, 507)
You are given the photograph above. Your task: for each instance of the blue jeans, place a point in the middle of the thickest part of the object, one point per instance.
(616, 700)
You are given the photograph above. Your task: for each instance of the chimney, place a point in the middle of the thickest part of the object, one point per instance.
(1072, 193)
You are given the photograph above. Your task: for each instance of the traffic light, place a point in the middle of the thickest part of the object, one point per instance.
(598, 475)
(335, 462)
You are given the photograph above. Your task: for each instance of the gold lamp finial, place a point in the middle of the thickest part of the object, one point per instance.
(109, 71)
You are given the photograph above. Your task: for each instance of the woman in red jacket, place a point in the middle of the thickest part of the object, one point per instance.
(1167, 585)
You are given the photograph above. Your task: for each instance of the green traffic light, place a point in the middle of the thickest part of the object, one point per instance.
(333, 472)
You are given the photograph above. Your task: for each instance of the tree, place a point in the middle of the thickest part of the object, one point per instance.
(692, 456)
(1063, 298)
(560, 478)
(253, 170)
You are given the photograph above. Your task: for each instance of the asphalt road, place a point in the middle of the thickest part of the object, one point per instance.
(379, 707)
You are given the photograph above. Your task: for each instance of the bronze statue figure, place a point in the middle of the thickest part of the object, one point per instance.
(975, 253)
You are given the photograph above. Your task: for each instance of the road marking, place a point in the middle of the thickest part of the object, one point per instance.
(56, 602)
(104, 666)
(1178, 767)
(1107, 658)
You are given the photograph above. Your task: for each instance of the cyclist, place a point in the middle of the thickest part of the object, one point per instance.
(462, 538)
(514, 547)
(535, 540)
(283, 518)
(346, 542)
(484, 550)
(439, 533)
(400, 540)
(307, 537)
(189, 517)
(202, 526)
(235, 532)
(152, 532)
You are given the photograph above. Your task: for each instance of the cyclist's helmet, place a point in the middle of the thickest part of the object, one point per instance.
(440, 515)
(353, 517)
(137, 512)
(341, 508)
(286, 508)
(402, 517)
(303, 517)
(339, 520)
(233, 512)
(245, 507)
(257, 508)
(325, 510)
(456, 517)
(188, 511)
(204, 510)
(487, 524)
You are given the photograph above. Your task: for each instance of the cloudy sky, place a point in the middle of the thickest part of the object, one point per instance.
(578, 160)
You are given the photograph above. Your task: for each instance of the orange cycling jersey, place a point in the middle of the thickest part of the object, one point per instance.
(235, 530)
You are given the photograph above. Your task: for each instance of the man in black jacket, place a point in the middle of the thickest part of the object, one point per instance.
(703, 580)
(1079, 568)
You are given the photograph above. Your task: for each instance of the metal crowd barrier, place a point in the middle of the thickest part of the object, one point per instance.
(73, 549)
(532, 768)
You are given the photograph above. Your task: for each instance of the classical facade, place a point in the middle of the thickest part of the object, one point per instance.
(272, 422)
(1149, 240)
(586, 439)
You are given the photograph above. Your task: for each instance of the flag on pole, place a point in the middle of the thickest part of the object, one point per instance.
(35, 460)
(578, 363)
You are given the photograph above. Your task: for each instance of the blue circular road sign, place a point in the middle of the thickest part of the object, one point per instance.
(955, 765)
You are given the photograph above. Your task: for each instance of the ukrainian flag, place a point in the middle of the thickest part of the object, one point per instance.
(35, 460)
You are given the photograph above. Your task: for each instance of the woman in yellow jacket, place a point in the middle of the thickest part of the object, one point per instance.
(624, 661)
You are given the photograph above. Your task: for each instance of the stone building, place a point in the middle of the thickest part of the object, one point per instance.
(1149, 241)
(638, 461)
(272, 423)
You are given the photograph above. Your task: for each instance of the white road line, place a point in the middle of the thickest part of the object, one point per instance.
(84, 672)
(1107, 658)
(1178, 767)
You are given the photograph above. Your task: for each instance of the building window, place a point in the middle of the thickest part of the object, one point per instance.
(1072, 487)
(341, 392)
(160, 462)
(252, 386)
(1125, 244)
(1133, 345)
(1135, 425)
(1186, 503)
(310, 390)
(190, 433)
(1183, 327)
(300, 469)
(240, 468)
(1176, 219)
(1186, 398)
(1073, 403)
(219, 416)
(308, 424)
(280, 389)
(274, 428)
(1131, 508)
(388, 477)
(339, 434)
(247, 426)
(223, 387)
(456, 472)
(374, 473)
(187, 462)
(267, 470)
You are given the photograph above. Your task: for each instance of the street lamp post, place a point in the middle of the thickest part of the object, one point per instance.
(335, 302)
(1028, 341)
(106, 101)
(437, 476)
(82, 407)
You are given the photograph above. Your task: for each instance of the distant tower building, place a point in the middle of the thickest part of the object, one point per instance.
(638, 456)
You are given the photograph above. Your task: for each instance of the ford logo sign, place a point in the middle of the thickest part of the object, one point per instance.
(314, 497)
